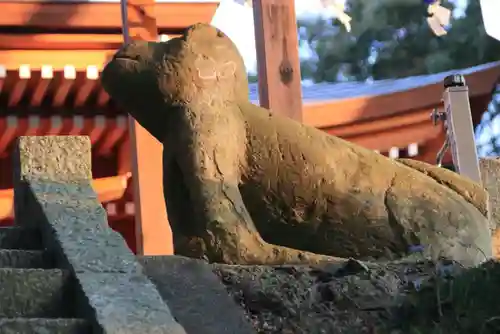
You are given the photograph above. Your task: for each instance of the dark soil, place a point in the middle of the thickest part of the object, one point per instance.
(396, 298)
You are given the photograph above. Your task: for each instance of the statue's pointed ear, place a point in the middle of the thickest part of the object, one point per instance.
(170, 48)
(200, 32)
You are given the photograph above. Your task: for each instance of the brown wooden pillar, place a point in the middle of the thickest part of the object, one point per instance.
(278, 57)
(153, 233)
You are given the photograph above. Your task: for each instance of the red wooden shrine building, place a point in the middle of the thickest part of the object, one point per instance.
(51, 55)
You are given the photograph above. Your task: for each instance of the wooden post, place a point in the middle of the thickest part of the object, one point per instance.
(153, 233)
(278, 57)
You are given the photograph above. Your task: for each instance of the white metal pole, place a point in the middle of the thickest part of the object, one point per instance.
(459, 128)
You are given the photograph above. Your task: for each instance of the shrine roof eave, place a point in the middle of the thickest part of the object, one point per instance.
(398, 133)
(369, 109)
(334, 104)
(59, 42)
(82, 15)
(80, 58)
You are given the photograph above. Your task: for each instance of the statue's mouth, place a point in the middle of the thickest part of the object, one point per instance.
(125, 59)
(123, 56)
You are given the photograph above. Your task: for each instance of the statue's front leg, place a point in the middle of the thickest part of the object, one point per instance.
(219, 215)
(211, 175)
(179, 210)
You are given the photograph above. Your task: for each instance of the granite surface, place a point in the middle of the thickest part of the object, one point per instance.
(198, 299)
(19, 238)
(17, 258)
(52, 177)
(33, 293)
(43, 326)
(61, 158)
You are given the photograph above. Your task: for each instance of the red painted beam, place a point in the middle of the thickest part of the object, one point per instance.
(153, 233)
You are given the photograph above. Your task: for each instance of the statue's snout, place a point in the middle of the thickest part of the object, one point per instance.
(135, 50)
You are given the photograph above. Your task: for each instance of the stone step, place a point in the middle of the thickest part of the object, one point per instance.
(20, 238)
(36, 293)
(43, 326)
(196, 296)
(19, 258)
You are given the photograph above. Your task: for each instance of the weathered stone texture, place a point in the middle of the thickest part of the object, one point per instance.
(55, 158)
(53, 185)
(198, 299)
(247, 186)
(80, 229)
(33, 293)
(354, 298)
(43, 326)
(15, 237)
(17, 258)
(472, 192)
(490, 174)
(127, 303)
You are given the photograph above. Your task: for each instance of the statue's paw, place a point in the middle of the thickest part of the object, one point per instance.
(193, 247)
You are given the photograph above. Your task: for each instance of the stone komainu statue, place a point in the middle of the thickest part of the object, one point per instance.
(244, 185)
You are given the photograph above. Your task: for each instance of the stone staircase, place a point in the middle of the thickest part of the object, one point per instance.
(35, 295)
(63, 270)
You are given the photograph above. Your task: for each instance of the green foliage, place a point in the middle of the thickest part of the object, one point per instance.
(464, 304)
(391, 39)
(252, 78)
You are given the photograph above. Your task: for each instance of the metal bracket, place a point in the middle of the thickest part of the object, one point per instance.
(459, 128)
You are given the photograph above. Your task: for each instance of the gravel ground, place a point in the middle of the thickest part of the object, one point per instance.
(396, 298)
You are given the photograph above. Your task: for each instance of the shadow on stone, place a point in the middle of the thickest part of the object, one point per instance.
(198, 300)
(53, 193)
